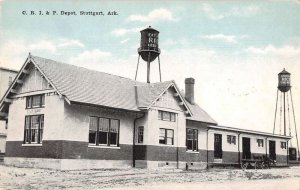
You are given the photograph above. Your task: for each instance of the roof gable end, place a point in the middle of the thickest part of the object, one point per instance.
(164, 87)
(19, 81)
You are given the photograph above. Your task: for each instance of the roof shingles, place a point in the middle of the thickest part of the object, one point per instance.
(93, 87)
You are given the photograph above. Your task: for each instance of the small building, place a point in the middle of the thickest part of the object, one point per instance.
(67, 117)
(231, 145)
(6, 77)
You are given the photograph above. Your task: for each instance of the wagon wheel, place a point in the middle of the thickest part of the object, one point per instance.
(244, 165)
(259, 165)
(262, 165)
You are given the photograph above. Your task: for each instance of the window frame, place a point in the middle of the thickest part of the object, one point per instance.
(231, 139)
(260, 143)
(29, 101)
(283, 143)
(27, 139)
(194, 149)
(102, 131)
(109, 132)
(140, 137)
(166, 136)
(171, 116)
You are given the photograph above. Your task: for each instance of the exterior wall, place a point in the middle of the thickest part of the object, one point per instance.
(53, 112)
(77, 118)
(225, 145)
(76, 132)
(197, 159)
(53, 117)
(253, 143)
(3, 133)
(65, 164)
(5, 76)
(167, 102)
(53, 128)
(152, 154)
(66, 129)
(281, 154)
(230, 151)
(3, 127)
(2, 143)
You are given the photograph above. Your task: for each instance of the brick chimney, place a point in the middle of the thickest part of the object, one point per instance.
(189, 90)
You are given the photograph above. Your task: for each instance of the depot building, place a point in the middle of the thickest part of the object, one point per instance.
(65, 117)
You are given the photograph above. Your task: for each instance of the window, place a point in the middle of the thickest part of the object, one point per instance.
(34, 126)
(93, 130)
(35, 101)
(166, 136)
(166, 116)
(260, 142)
(141, 134)
(283, 145)
(192, 139)
(104, 131)
(231, 139)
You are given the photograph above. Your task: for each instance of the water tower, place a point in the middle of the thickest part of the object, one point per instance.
(284, 83)
(149, 50)
(286, 98)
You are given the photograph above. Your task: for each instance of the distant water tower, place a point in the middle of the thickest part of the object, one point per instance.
(284, 82)
(149, 50)
(284, 86)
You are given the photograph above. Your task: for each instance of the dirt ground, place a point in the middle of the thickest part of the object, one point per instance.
(29, 178)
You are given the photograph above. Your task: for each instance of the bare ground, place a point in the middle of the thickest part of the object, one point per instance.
(30, 178)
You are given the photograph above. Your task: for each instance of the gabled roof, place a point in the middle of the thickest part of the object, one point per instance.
(147, 93)
(81, 85)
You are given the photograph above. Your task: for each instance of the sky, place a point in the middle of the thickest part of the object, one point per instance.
(233, 49)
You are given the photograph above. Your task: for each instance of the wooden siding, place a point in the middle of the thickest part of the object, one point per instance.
(167, 100)
(34, 81)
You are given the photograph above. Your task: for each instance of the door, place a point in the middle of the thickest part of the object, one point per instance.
(218, 146)
(246, 148)
(272, 150)
(292, 154)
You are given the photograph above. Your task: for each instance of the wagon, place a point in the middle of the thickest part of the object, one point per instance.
(260, 162)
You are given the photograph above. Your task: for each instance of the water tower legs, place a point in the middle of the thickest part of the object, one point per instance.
(284, 122)
(295, 123)
(148, 68)
(285, 100)
(275, 112)
(137, 67)
(159, 69)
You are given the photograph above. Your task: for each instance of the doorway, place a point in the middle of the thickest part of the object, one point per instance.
(218, 146)
(246, 148)
(272, 150)
(292, 153)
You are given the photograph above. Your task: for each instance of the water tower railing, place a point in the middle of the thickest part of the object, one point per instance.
(157, 50)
